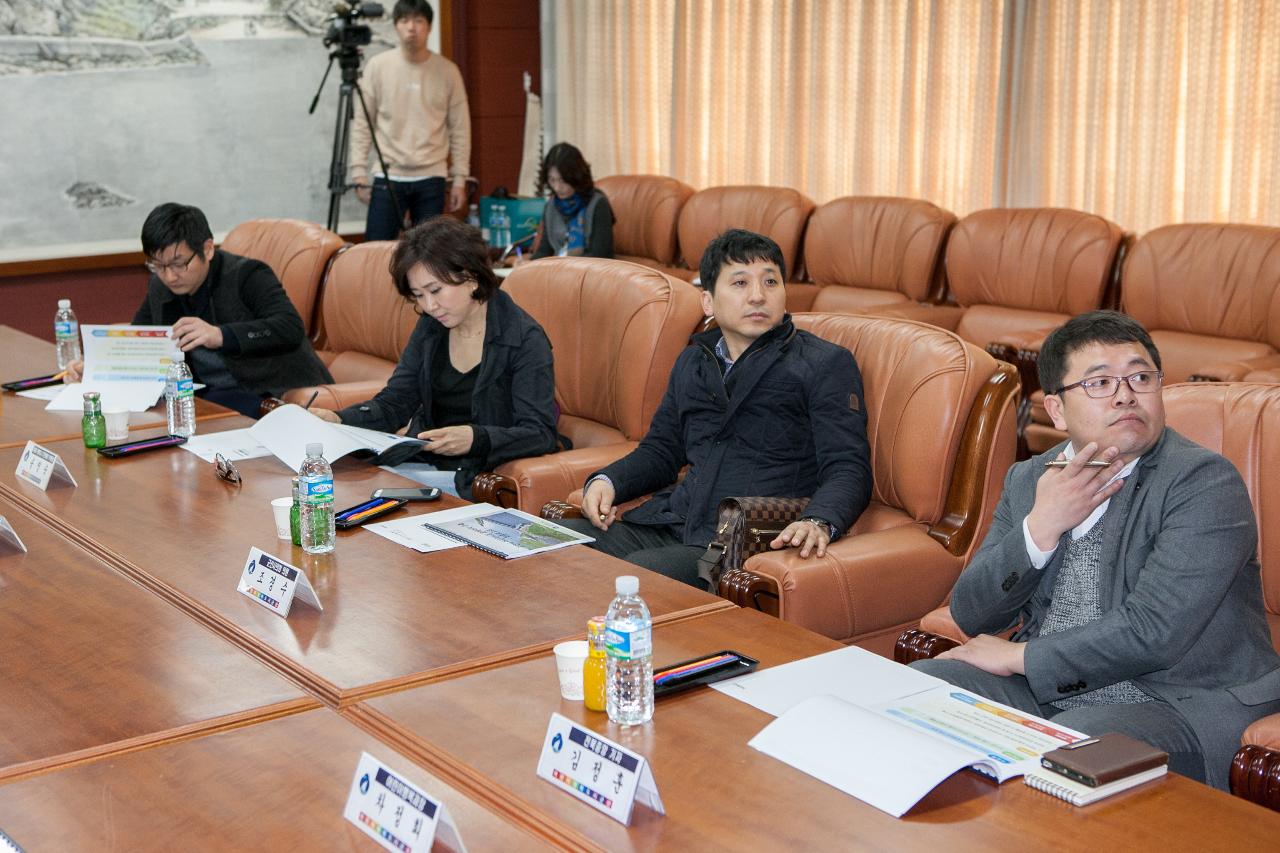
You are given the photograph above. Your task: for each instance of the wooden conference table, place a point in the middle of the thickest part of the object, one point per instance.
(484, 733)
(23, 419)
(392, 617)
(128, 721)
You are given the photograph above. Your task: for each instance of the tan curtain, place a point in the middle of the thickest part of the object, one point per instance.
(826, 96)
(1145, 111)
(1149, 112)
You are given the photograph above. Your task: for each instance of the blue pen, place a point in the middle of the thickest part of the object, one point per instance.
(519, 254)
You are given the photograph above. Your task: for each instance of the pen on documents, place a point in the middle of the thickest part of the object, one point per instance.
(314, 394)
(1062, 463)
(55, 377)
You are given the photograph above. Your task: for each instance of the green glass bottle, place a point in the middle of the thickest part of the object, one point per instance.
(93, 426)
(295, 514)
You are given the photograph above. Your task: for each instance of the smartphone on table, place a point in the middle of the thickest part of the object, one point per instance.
(423, 494)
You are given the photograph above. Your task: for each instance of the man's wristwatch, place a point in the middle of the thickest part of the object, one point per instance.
(825, 525)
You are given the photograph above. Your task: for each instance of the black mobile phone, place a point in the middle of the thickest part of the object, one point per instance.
(129, 448)
(430, 494)
(367, 511)
(33, 382)
(706, 669)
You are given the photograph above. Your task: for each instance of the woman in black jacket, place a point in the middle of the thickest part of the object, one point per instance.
(475, 381)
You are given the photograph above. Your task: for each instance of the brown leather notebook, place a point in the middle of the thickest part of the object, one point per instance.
(1106, 758)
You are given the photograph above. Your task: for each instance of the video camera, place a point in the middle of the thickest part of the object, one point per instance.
(344, 29)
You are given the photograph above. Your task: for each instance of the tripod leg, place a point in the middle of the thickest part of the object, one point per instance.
(338, 160)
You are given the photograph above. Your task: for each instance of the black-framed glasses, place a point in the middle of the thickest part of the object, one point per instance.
(225, 469)
(174, 267)
(1101, 387)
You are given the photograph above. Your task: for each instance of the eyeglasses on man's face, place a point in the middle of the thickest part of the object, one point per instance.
(1101, 387)
(224, 469)
(175, 267)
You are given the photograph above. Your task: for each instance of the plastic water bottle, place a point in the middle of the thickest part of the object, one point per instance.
(66, 333)
(316, 478)
(179, 397)
(629, 646)
(473, 215)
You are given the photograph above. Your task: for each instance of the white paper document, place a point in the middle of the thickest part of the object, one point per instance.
(852, 674)
(287, 430)
(890, 754)
(506, 533)
(234, 444)
(412, 533)
(125, 364)
(48, 392)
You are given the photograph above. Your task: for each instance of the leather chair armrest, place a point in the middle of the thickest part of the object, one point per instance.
(915, 644)
(1270, 377)
(336, 396)
(1029, 340)
(554, 510)
(531, 482)
(943, 316)
(1255, 773)
(1238, 371)
(866, 583)
(800, 296)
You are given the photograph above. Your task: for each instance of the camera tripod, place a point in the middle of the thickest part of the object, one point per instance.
(349, 62)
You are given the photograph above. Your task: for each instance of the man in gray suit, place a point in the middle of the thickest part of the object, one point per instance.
(1127, 559)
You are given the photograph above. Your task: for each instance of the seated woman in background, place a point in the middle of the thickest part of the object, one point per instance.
(475, 381)
(578, 219)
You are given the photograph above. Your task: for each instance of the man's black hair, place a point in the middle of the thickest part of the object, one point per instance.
(406, 8)
(1093, 327)
(174, 223)
(737, 246)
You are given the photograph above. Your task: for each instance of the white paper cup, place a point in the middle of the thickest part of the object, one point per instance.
(117, 418)
(570, 659)
(280, 509)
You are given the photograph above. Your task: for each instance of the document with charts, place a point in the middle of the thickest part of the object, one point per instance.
(507, 533)
(891, 752)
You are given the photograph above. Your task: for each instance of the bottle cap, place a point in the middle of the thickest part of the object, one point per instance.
(626, 585)
(178, 355)
(315, 448)
(92, 396)
(595, 626)
(64, 303)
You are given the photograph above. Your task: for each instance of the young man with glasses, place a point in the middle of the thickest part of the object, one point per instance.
(242, 336)
(1134, 586)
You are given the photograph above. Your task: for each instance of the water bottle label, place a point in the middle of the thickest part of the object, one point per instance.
(185, 388)
(629, 645)
(64, 329)
(317, 491)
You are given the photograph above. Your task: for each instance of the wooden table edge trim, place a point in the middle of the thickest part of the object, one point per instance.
(190, 731)
(480, 788)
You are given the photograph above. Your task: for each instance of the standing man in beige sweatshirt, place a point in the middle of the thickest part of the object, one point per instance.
(419, 109)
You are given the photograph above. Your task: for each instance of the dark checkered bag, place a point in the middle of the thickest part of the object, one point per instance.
(745, 527)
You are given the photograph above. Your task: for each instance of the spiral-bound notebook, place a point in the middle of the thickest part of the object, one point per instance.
(1079, 794)
(506, 533)
(8, 845)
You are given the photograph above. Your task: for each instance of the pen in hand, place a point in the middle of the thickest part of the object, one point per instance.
(314, 394)
(1062, 463)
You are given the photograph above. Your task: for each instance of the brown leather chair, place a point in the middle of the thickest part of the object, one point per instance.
(1210, 297)
(364, 325)
(1015, 274)
(647, 208)
(298, 253)
(941, 427)
(777, 212)
(863, 252)
(615, 329)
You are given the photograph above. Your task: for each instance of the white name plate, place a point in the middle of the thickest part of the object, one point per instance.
(273, 583)
(596, 770)
(394, 813)
(39, 466)
(9, 536)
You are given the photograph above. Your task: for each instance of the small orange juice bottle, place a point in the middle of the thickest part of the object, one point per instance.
(593, 671)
